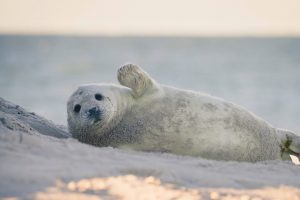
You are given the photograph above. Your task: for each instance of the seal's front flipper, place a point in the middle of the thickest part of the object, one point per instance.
(290, 144)
(134, 77)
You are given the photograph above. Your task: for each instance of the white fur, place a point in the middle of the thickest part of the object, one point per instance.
(148, 116)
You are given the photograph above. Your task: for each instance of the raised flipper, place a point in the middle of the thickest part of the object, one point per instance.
(290, 144)
(134, 77)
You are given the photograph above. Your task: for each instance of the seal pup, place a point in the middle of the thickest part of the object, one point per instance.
(147, 116)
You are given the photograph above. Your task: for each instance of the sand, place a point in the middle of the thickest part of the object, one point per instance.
(40, 161)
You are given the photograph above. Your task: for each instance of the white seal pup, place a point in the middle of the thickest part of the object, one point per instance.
(144, 115)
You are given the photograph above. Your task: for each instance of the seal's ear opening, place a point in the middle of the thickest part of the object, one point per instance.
(134, 77)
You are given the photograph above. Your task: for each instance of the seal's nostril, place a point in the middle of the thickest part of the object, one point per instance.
(92, 111)
(95, 114)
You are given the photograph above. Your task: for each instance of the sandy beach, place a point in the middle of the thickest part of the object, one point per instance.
(40, 161)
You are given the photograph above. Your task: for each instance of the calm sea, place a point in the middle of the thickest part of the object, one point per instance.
(261, 74)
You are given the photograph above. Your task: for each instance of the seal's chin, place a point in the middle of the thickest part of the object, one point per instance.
(93, 123)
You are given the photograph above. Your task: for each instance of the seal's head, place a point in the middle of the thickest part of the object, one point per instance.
(94, 109)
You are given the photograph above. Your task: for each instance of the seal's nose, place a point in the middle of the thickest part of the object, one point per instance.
(95, 113)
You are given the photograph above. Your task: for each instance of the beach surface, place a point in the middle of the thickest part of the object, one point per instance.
(39, 160)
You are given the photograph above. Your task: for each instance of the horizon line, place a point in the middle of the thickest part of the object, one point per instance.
(150, 35)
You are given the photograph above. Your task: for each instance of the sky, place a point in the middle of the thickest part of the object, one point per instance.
(151, 17)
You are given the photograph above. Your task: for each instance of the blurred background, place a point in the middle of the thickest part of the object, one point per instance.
(245, 51)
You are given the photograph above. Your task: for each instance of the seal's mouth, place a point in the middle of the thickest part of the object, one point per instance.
(97, 120)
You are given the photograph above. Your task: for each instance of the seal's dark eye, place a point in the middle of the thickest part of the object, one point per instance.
(99, 97)
(77, 108)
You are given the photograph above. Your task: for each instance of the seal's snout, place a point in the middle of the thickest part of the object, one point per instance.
(95, 113)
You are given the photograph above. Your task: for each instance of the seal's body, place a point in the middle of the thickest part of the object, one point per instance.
(147, 116)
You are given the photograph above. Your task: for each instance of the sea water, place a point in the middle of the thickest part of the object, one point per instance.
(261, 74)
